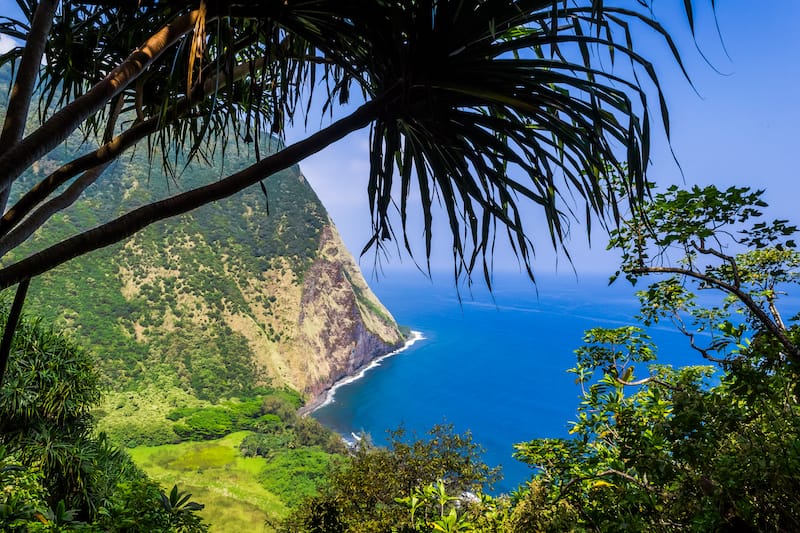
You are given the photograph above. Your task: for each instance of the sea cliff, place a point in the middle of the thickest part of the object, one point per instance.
(257, 289)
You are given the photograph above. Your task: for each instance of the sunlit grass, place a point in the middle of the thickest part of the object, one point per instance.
(218, 476)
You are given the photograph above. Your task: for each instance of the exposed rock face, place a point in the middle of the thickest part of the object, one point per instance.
(343, 326)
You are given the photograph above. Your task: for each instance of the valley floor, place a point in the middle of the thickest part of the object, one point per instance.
(217, 475)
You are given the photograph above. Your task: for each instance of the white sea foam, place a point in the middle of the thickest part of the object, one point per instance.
(330, 394)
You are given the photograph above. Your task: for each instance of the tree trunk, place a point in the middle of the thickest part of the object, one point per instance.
(11, 326)
(19, 101)
(134, 221)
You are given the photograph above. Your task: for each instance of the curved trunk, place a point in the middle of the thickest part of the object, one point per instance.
(128, 224)
(11, 326)
(19, 101)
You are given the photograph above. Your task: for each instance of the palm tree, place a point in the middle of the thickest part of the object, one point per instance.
(478, 106)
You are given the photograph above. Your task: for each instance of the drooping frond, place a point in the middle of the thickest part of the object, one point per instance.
(500, 103)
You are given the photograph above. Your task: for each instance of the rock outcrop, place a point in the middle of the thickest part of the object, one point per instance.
(342, 325)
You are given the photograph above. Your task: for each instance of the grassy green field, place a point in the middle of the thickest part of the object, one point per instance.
(218, 476)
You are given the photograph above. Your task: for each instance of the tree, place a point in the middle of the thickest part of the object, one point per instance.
(482, 107)
(55, 473)
(709, 448)
(361, 493)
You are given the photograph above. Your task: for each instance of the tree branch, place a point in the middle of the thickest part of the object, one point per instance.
(112, 149)
(679, 323)
(128, 224)
(37, 219)
(614, 472)
(610, 472)
(56, 129)
(65, 199)
(792, 350)
(776, 315)
(20, 99)
(644, 381)
(727, 258)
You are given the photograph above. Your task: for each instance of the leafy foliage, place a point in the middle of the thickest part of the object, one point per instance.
(360, 492)
(273, 412)
(56, 474)
(296, 473)
(705, 448)
(724, 246)
(24, 495)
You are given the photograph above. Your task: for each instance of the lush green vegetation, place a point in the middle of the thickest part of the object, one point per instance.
(707, 448)
(56, 474)
(524, 95)
(712, 447)
(361, 493)
(280, 462)
(189, 271)
(229, 484)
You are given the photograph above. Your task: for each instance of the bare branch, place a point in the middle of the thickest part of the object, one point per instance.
(775, 313)
(644, 381)
(678, 322)
(614, 472)
(727, 258)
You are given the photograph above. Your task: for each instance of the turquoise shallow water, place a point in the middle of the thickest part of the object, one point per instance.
(493, 365)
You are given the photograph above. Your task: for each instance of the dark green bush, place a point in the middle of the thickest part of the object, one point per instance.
(295, 474)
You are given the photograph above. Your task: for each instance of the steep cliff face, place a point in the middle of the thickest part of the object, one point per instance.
(302, 331)
(342, 325)
(249, 291)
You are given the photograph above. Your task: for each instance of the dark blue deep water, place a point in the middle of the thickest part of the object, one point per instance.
(493, 365)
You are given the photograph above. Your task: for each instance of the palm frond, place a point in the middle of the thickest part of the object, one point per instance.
(500, 103)
(486, 107)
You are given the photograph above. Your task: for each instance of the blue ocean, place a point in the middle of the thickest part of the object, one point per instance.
(491, 363)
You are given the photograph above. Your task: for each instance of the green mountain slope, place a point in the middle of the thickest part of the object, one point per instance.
(248, 291)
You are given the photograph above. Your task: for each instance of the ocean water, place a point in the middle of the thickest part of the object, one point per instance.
(493, 364)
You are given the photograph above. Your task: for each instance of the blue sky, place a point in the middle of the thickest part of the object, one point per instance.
(740, 129)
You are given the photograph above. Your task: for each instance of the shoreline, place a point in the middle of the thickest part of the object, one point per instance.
(328, 395)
